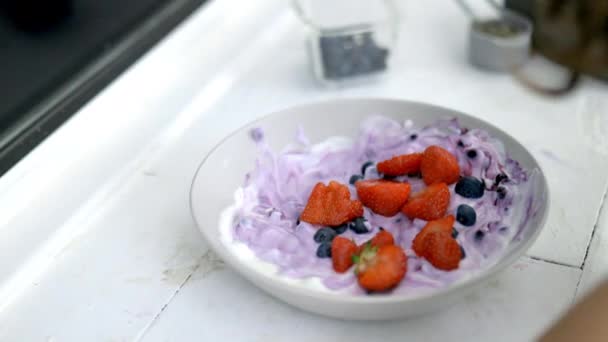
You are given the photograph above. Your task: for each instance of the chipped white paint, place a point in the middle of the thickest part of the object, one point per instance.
(496, 312)
(596, 264)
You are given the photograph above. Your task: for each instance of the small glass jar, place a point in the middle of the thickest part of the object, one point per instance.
(349, 40)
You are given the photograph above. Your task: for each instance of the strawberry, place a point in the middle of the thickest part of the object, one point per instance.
(382, 196)
(436, 244)
(380, 268)
(356, 209)
(331, 205)
(401, 165)
(443, 225)
(428, 204)
(439, 166)
(382, 238)
(442, 251)
(342, 252)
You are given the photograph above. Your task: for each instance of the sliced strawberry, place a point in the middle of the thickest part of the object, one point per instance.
(331, 205)
(342, 252)
(443, 225)
(381, 268)
(382, 196)
(439, 166)
(382, 238)
(428, 204)
(356, 209)
(401, 165)
(442, 251)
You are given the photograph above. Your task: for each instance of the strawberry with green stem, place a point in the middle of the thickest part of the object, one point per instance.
(380, 268)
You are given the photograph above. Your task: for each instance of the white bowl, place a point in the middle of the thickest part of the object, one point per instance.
(224, 169)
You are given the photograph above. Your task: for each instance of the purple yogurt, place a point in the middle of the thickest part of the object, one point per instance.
(276, 192)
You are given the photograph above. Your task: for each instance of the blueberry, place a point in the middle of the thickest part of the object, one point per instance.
(472, 154)
(479, 235)
(454, 233)
(324, 250)
(469, 187)
(463, 254)
(460, 143)
(256, 134)
(502, 192)
(324, 235)
(270, 212)
(500, 178)
(350, 55)
(298, 221)
(466, 215)
(340, 229)
(365, 166)
(358, 226)
(413, 136)
(355, 178)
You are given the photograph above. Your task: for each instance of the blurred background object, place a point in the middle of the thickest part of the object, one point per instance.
(498, 41)
(34, 15)
(56, 54)
(573, 33)
(348, 40)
